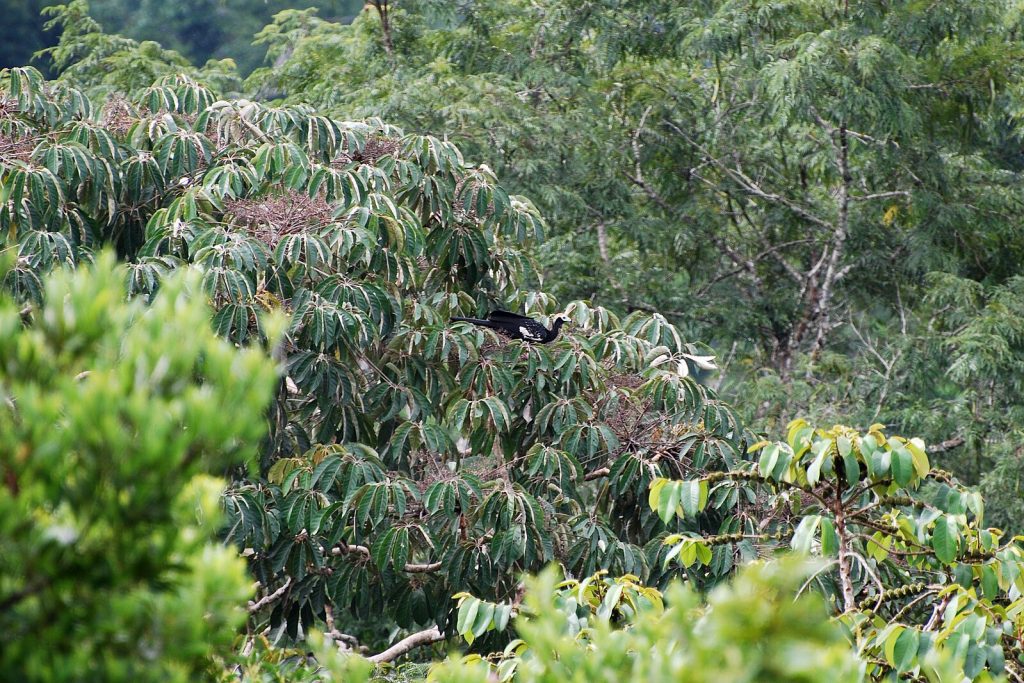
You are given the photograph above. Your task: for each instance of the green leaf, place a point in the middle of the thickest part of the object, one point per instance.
(904, 653)
(610, 601)
(654, 497)
(704, 554)
(769, 456)
(688, 553)
(945, 539)
(851, 467)
(920, 456)
(974, 660)
(829, 538)
(804, 534)
(690, 497)
(501, 617)
(989, 582)
(890, 643)
(467, 618)
(669, 501)
(902, 466)
(878, 547)
(814, 470)
(484, 614)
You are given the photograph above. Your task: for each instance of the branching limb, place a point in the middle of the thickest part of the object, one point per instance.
(749, 185)
(271, 598)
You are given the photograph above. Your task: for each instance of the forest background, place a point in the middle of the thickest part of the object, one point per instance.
(824, 197)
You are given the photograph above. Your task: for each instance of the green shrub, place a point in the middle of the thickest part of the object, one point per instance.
(748, 630)
(112, 414)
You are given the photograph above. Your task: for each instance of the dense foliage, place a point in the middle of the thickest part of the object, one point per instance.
(112, 416)
(912, 567)
(823, 192)
(408, 459)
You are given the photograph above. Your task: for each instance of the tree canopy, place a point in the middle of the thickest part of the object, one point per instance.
(824, 193)
(793, 208)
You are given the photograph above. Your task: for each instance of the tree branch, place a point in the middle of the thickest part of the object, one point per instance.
(426, 637)
(879, 195)
(947, 445)
(635, 144)
(271, 598)
(365, 552)
(845, 577)
(748, 184)
(602, 241)
(842, 230)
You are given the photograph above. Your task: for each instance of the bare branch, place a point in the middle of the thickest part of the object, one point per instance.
(271, 598)
(385, 25)
(749, 185)
(635, 144)
(864, 137)
(902, 311)
(947, 445)
(841, 231)
(365, 552)
(426, 637)
(845, 577)
(879, 195)
(771, 251)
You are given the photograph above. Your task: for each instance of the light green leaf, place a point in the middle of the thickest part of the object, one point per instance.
(829, 538)
(804, 534)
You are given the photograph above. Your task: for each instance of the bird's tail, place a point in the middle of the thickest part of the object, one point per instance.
(475, 321)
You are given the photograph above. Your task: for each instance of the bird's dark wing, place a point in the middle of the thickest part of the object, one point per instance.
(531, 331)
(506, 316)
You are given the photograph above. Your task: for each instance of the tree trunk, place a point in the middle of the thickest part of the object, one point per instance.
(385, 25)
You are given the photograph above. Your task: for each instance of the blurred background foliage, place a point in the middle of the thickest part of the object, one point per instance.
(198, 29)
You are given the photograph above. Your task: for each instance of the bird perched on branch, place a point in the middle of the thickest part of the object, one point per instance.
(518, 326)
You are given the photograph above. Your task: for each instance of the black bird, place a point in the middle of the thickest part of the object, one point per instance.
(518, 326)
